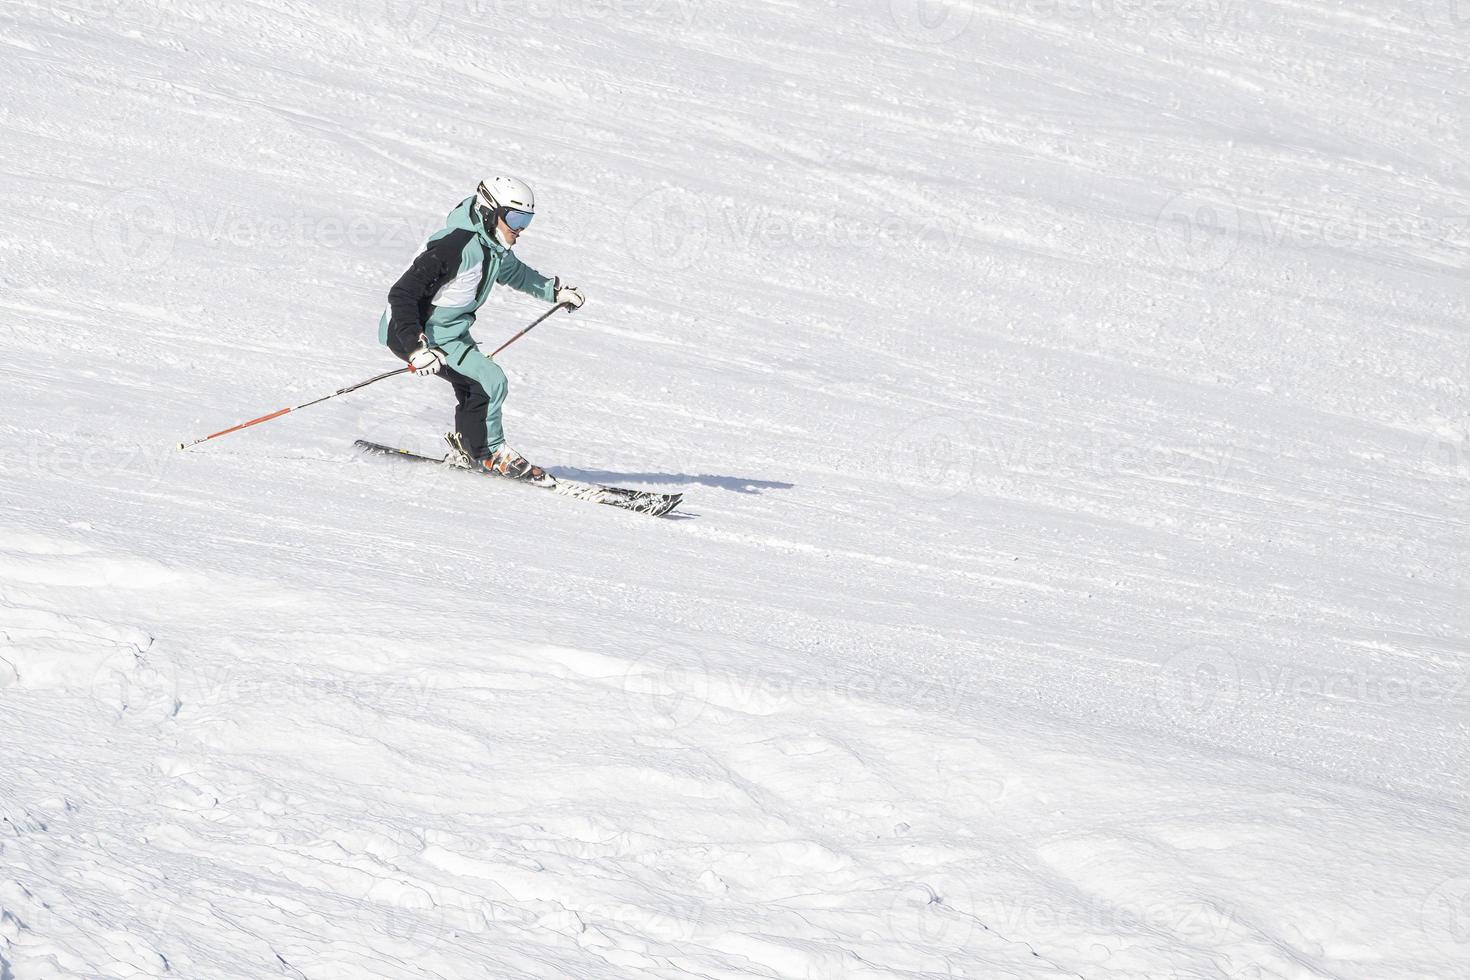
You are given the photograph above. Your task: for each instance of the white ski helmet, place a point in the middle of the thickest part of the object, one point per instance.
(501, 194)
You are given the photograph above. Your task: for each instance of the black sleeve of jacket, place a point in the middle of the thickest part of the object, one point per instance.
(410, 297)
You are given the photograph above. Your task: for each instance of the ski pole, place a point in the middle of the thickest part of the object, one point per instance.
(528, 329)
(276, 415)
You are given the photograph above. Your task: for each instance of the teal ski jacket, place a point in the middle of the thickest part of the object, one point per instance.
(449, 281)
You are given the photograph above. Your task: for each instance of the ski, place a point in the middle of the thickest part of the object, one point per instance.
(638, 501)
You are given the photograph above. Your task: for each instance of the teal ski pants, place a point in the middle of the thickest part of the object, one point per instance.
(479, 391)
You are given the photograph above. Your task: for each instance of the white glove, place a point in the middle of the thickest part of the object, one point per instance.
(570, 295)
(426, 360)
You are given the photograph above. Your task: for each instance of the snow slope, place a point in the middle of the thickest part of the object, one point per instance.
(1070, 402)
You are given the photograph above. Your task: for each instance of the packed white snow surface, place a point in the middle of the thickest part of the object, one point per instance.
(1070, 398)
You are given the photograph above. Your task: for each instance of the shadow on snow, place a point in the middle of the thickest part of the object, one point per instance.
(735, 483)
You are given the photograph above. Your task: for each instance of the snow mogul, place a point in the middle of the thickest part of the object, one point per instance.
(432, 306)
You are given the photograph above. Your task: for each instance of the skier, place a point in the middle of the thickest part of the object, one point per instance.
(431, 309)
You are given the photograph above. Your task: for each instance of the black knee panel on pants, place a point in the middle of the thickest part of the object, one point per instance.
(469, 412)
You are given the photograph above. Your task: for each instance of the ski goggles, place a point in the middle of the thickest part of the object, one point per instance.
(516, 220)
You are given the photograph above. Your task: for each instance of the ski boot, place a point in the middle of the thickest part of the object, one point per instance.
(458, 455)
(506, 462)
